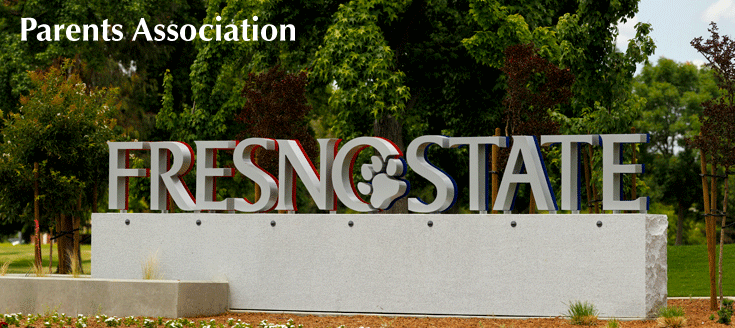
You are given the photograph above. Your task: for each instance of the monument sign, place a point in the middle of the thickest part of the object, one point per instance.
(422, 263)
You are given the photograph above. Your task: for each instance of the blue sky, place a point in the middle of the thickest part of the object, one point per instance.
(676, 22)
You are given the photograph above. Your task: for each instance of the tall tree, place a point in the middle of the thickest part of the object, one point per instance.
(449, 87)
(717, 137)
(402, 69)
(674, 93)
(136, 67)
(535, 88)
(62, 127)
(220, 71)
(575, 35)
(277, 109)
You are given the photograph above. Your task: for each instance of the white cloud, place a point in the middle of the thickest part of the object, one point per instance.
(626, 31)
(718, 10)
(697, 62)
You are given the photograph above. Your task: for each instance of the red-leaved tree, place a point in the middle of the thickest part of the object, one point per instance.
(535, 86)
(276, 108)
(717, 137)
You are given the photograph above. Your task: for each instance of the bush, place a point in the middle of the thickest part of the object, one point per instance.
(725, 313)
(671, 317)
(582, 313)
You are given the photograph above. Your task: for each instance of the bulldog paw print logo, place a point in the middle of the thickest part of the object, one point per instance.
(384, 184)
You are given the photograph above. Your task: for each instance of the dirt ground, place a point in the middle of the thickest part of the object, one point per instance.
(697, 314)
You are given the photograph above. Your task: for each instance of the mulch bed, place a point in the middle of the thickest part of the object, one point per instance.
(696, 310)
(697, 314)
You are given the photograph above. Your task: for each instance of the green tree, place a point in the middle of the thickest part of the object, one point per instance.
(579, 36)
(136, 67)
(220, 70)
(717, 138)
(403, 69)
(674, 93)
(63, 126)
(449, 87)
(575, 35)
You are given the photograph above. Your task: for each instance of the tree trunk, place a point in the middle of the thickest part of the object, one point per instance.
(532, 202)
(495, 178)
(36, 216)
(64, 243)
(50, 254)
(595, 200)
(76, 225)
(587, 182)
(95, 194)
(389, 128)
(680, 224)
(722, 232)
(709, 230)
(713, 236)
(634, 177)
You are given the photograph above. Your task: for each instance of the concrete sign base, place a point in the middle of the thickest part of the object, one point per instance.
(121, 298)
(471, 264)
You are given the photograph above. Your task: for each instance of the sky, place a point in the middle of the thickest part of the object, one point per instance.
(676, 22)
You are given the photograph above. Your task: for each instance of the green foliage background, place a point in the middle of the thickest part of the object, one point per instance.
(420, 66)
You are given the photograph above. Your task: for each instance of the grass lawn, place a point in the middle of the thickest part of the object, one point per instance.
(687, 270)
(22, 257)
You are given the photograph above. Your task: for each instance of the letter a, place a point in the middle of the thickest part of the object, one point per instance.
(527, 148)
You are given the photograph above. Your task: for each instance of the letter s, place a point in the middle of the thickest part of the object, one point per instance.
(446, 188)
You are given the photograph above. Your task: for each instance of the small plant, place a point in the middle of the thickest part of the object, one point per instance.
(148, 323)
(288, 324)
(150, 268)
(32, 319)
(11, 319)
(613, 323)
(81, 321)
(112, 322)
(712, 317)
(4, 268)
(671, 317)
(582, 313)
(74, 263)
(130, 321)
(38, 270)
(725, 313)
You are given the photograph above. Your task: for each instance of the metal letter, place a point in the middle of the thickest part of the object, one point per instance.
(120, 171)
(243, 159)
(207, 173)
(478, 167)
(613, 169)
(292, 159)
(170, 178)
(570, 182)
(446, 188)
(527, 148)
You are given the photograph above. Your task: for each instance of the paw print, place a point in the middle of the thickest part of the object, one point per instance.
(384, 184)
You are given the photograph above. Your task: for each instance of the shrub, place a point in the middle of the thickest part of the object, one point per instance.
(582, 313)
(725, 313)
(671, 317)
(4, 268)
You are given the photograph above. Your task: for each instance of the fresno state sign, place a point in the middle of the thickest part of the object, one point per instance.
(171, 160)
